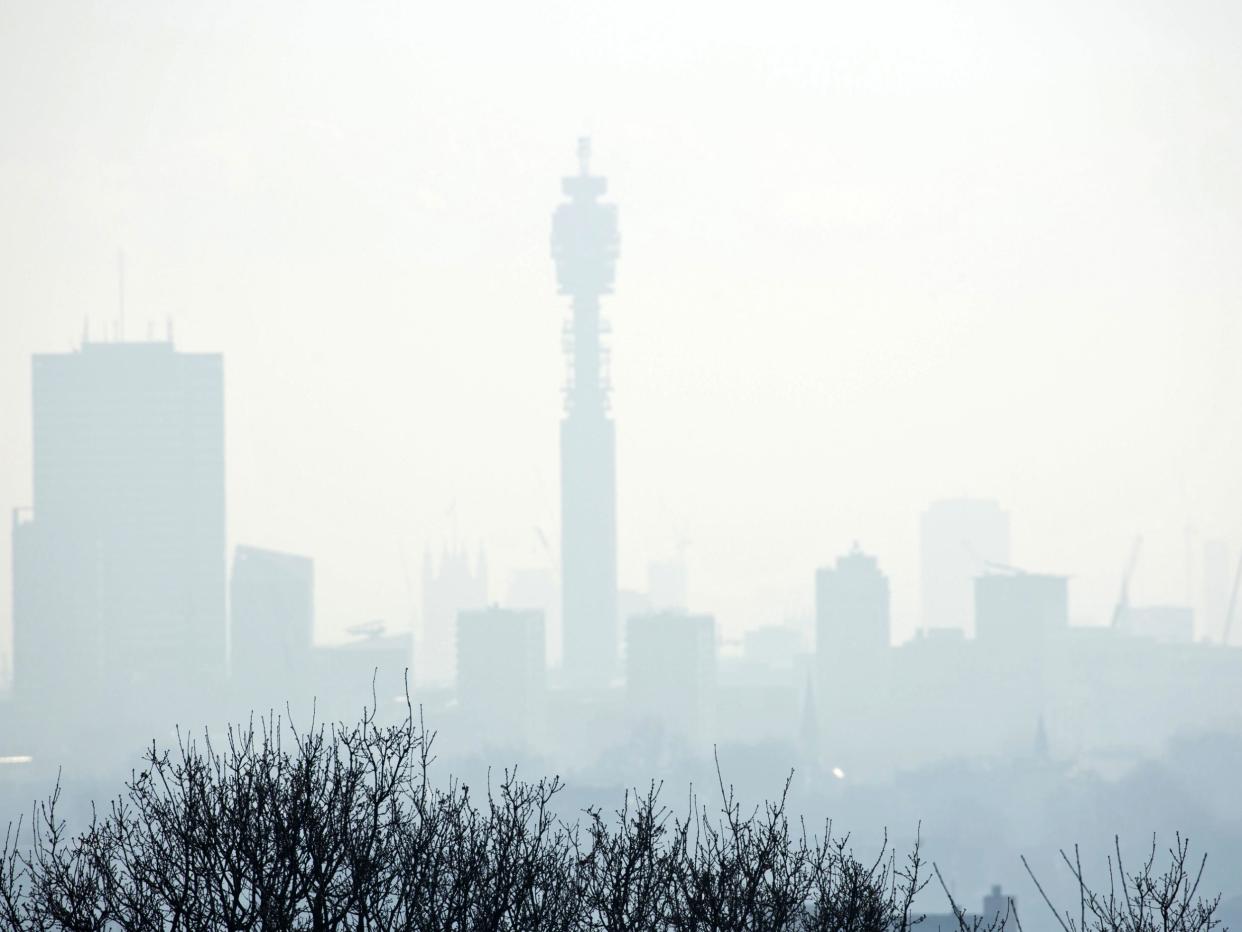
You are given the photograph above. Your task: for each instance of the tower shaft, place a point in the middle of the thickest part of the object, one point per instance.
(585, 247)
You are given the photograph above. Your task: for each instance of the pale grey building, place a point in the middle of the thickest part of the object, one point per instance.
(119, 565)
(670, 676)
(501, 675)
(271, 627)
(1174, 624)
(1017, 610)
(852, 632)
(371, 668)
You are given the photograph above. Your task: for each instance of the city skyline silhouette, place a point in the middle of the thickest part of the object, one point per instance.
(890, 460)
(818, 291)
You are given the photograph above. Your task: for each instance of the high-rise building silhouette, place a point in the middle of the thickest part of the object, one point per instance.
(959, 539)
(998, 906)
(852, 648)
(585, 247)
(851, 609)
(119, 572)
(271, 627)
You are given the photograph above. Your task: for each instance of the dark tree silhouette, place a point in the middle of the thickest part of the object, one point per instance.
(1148, 899)
(341, 828)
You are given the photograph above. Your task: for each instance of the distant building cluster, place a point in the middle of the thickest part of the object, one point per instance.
(126, 620)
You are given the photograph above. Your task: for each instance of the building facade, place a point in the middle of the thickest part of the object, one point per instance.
(119, 565)
(852, 631)
(271, 627)
(670, 679)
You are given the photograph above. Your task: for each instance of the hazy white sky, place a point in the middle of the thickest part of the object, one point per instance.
(873, 254)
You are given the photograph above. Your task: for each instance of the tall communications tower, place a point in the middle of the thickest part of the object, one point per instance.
(585, 246)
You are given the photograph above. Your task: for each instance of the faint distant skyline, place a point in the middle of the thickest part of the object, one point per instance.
(874, 257)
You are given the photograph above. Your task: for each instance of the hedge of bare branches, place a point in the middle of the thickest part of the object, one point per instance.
(341, 828)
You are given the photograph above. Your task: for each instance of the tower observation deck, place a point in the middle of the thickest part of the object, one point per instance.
(585, 245)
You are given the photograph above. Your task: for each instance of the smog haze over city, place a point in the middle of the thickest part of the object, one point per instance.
(843, 389)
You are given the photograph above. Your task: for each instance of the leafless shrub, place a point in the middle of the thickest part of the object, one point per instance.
(341, 828)
(1149, 898)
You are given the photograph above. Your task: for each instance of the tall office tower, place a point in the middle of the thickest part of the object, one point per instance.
(119, 574)
(501, 670)
(271, 628)
(585, 246)
(851, 608)
(999, 907)
(960, 539)
(449, 588)
(852, 647)
(670, 675)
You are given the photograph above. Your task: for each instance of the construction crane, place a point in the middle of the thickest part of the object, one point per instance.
(1123, 598)
(1233, 601)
